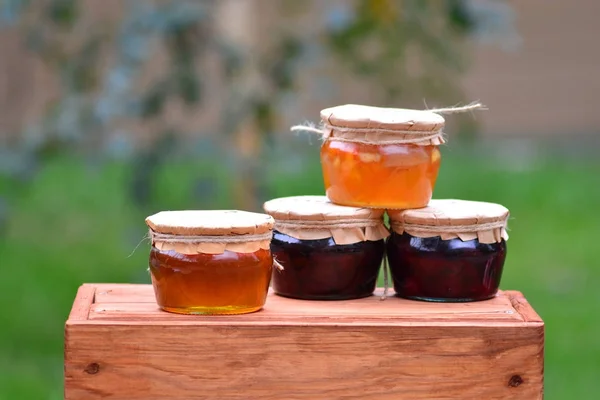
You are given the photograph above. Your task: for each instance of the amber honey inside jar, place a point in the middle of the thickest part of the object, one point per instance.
(380, 157)
(328, 252)
(449, 251)
(210, 262)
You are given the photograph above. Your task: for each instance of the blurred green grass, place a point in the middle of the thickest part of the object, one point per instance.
(76, 224)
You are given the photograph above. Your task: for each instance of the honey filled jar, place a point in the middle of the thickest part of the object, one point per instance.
(449, 251)
(380, 157)
(328, 252)
(210, 262)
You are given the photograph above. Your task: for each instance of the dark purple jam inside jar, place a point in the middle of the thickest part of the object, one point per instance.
(433, 269)
(323, 270)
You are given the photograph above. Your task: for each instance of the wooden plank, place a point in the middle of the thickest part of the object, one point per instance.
(274, 362)
(83, 301)
(125, 293)
(282, 310)
(396, 310)
(522, 306)
(136, 302)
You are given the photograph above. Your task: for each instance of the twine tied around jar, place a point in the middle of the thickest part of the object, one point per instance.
(485, 232)
(450, 228)
(168, 238)
(386, 283)
(342, 231)
(325, 130)
(349, 223)
(277, 265)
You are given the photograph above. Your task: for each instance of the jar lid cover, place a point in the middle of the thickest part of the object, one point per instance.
(210, 222)
(316, 208)
(360, 116)
(315, 217)
(452, 213)
(450, 219)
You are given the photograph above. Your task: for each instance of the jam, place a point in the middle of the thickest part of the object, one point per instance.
(226, 283)
(405, 174)
(451, 270)
(323, 270)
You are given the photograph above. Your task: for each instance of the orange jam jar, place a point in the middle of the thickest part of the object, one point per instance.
(210, 262)
(380, 157)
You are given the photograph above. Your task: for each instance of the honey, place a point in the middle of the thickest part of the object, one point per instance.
(210, 262)
(227, 283)
(379, 176)
(380, 157)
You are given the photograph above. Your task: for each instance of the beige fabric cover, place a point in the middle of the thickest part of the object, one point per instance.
(378, 125)
(315, 217)
(450, 219)
(210, 231)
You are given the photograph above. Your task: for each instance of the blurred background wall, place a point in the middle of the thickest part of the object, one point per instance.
(548, 64)
(113, 110)
(549, 69)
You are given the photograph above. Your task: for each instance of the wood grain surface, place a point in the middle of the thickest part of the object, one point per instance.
(127, 348)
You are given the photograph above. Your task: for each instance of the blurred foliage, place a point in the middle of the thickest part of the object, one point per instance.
(100, 66)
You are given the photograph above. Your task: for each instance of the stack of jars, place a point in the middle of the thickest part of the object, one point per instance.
(375, 162)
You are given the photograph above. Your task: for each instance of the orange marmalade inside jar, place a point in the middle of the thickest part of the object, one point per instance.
(210, 262)
(380, 157)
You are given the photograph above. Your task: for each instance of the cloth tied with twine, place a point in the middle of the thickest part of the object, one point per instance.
(188, 244)
(374, 125)
(449, 219)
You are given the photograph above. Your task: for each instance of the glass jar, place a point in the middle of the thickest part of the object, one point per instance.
(450, 251)
(351, 169)
(380, 157)
(210, 262)
(445, 270)
(320, 269)
(328, 252)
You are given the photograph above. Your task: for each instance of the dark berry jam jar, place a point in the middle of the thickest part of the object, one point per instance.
(328, 252)
(449, 251)
(320, 269)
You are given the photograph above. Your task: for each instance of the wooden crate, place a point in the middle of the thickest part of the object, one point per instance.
(119, 345)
